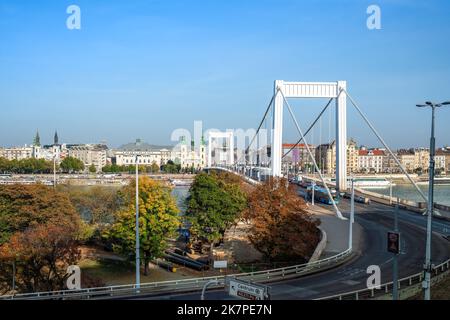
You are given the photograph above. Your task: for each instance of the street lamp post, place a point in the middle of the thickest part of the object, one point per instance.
(428, 266)
(352, 216)
(54, 171)
(138, 258)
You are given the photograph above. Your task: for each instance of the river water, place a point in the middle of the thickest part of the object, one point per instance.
(408, 192)
(181, 193)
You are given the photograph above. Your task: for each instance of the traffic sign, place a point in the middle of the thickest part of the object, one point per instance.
(218, 264)
(393, 242)
(248, 291)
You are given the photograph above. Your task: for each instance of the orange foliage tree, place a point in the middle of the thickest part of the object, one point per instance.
(39, 228)
(281, 228)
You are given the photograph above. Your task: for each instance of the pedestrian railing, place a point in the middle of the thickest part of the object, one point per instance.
(185, 285)
(386, 289)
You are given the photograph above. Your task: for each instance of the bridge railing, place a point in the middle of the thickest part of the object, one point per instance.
(185, 285)
(385, 290)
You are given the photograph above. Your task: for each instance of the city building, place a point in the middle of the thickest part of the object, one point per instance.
(147, 154)
(352, 156)
(190, 157)
(389, 163)
(440, 160)
(297, 156)
(326, 157)
(17, 153)
(407, 159)
(89, 154)
(421, 159)
(370, 160)
(182, 154)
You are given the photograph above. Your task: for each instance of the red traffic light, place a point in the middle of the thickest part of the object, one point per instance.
(393, 242)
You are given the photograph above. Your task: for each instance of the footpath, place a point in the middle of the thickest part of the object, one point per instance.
(337, 231)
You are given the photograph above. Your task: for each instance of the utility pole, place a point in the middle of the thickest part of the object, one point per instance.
(395, 260)
(428, 266)
(390, 186)
(352, 217)
(54, 171)
(14, 277)
(138, 258)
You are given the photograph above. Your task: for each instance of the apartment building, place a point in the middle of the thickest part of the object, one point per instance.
(370, 160)
(89, 154)
(325, 155)
(16, 153)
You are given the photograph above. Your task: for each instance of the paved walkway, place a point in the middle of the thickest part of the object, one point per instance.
(337, 231)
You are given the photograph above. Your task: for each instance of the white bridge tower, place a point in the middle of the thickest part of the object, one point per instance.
(313, 90)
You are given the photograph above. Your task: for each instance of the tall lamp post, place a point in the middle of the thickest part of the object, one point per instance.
(54, 171)
(428, 266)
(138, 258)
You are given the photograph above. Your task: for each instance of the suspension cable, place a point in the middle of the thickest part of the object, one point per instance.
(310, 128)
(260, 125)
(338, 213)
(385, 145)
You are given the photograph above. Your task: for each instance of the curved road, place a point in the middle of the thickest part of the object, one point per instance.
(376, 220)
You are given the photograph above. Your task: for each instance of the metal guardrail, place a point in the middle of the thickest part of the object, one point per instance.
(386, 288)
(184, 284)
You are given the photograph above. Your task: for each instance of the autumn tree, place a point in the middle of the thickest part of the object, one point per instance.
(158, 221)
(213, 206)
(281, 227)
(96, 205)
(39, 228)
(40, 256)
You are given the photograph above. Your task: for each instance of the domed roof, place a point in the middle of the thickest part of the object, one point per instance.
(140, 145)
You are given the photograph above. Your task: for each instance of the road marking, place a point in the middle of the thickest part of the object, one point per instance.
(351, 282)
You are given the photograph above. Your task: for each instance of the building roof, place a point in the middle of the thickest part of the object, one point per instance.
(374, 152)
(404, 152)
(140, 145)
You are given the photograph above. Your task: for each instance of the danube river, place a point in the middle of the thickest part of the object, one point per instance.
(181, 193)
(408, 192)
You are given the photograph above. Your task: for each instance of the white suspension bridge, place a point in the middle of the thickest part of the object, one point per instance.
(263, 159)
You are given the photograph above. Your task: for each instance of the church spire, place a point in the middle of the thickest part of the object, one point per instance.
(56, 139)
(37, 139)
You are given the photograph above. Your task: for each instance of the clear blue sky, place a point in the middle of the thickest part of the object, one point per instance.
(143, 68)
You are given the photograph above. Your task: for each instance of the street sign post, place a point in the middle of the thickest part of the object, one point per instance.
(249, 291)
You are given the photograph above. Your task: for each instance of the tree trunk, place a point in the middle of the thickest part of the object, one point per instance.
(146, 268)
(211, 250)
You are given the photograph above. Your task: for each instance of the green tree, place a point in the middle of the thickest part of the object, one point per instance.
(158, 220)
(213, 206)
(92, 168)
(26, 166)
(95, 205)
(70, 165)
(171, 167)
(154, 167)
